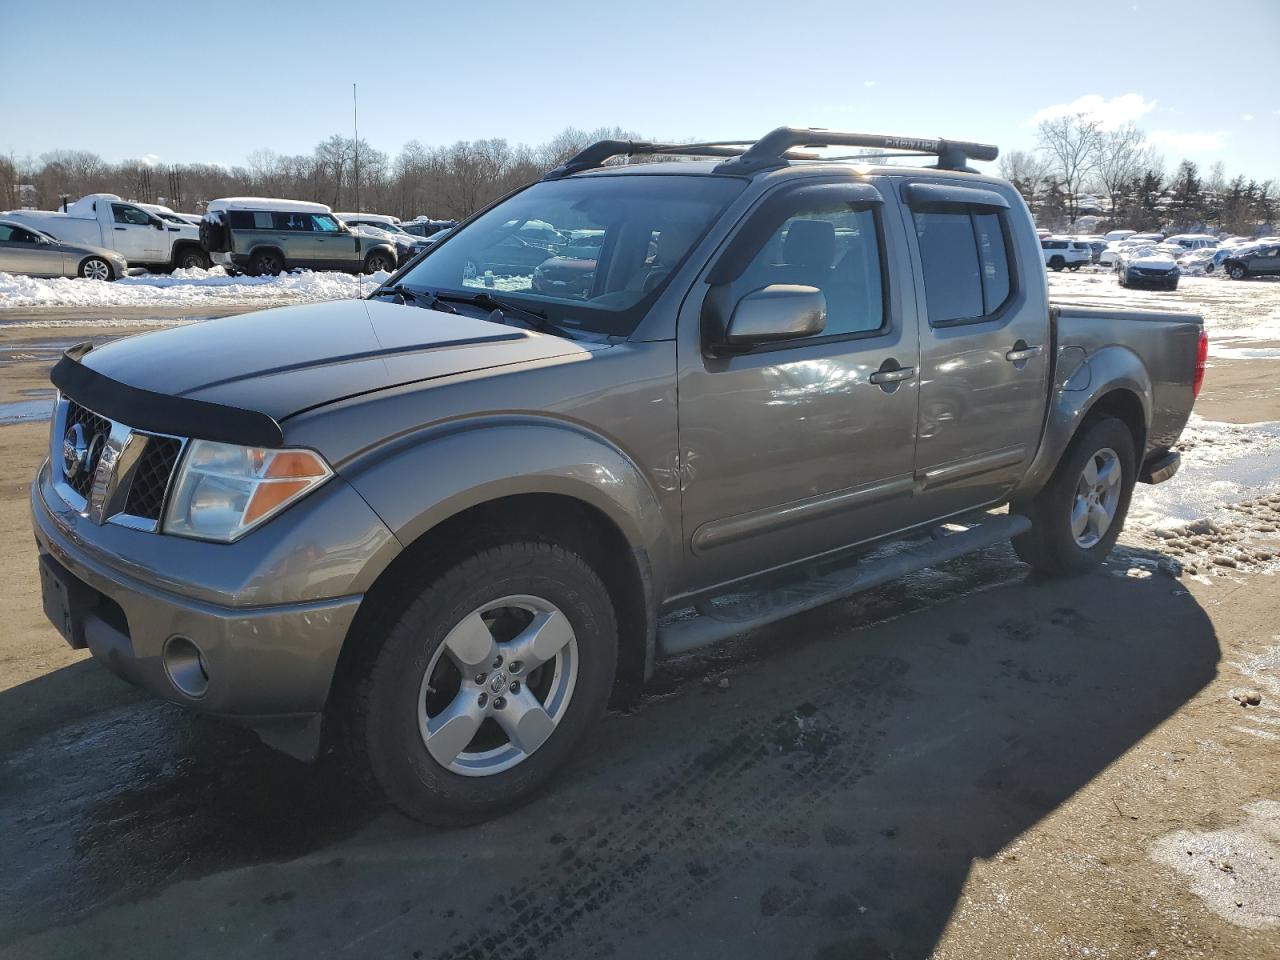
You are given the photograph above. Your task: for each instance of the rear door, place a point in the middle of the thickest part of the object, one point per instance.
(983, 344)
(790, 450)
(136, 236)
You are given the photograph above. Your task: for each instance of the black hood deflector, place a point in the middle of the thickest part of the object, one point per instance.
(159, 412)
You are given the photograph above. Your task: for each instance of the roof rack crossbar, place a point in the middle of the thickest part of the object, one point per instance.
(597, 153)
(776, 148)
(771, 150)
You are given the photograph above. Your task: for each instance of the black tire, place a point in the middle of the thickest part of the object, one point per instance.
(1237, 271)
(1050, 546)
(191, 257)
(1056, 264)
(384, 724)
(1173, 285)
(266, 263)
(94, 268)
(378, 260)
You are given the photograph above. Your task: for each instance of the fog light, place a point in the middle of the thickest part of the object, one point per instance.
(184, 663)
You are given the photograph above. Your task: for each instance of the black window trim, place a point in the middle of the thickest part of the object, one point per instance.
(868, 198)
(1015, 287)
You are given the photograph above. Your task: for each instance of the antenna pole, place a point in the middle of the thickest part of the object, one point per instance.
(355, 127)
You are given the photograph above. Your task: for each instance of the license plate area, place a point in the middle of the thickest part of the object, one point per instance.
(66, 601)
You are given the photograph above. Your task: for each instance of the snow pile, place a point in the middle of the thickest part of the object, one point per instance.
(183, 288)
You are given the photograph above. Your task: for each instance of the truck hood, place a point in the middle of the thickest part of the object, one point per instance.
(283, 361)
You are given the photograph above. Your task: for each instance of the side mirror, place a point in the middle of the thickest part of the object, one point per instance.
(157, 223)
(771, 314)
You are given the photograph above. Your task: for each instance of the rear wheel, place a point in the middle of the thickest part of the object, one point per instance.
(1078, 515)
(190, 258)
(95, 268)
(266, 263)
(486, 684)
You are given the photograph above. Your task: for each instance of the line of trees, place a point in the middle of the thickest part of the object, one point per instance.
(1087, 177)
(1078, 169)
(448, 182)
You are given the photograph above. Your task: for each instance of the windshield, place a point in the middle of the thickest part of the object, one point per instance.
(589, 253)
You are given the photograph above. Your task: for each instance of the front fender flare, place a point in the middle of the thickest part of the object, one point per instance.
(421, 480)
(1111, 369)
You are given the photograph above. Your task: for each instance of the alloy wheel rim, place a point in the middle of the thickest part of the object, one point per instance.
(96, 270)
(498, 686)
(1097, 498)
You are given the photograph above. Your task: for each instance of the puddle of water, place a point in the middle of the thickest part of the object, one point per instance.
(39, 407)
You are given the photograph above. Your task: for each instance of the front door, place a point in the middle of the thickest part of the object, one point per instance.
(22, 252)
(984, 350)
(798, 448)
(136, 237)
(335, 248)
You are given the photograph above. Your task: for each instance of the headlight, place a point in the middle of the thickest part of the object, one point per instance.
(224, 491)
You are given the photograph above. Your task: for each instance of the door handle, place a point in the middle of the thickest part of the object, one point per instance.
(893, 376)
(1019, 354)
(119, 228)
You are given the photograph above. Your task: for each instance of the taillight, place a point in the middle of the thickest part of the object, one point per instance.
(1202, 354)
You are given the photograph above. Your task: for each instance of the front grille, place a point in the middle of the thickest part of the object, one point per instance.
(94, 426)
(135, 496)
(151, 478)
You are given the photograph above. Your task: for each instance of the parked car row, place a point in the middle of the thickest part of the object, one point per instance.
(139, 235)
(101, 237)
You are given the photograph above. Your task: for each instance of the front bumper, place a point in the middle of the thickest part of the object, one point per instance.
(1150, 280)
(268, 665)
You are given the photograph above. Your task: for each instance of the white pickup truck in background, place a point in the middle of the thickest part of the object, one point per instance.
(146, 239)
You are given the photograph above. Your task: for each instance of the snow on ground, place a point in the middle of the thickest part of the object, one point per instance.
(1221, 511)
(194, 288)
(1238, 314)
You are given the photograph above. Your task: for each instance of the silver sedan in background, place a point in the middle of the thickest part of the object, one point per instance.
(26, 250)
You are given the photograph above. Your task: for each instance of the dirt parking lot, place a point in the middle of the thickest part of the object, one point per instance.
(969, 763)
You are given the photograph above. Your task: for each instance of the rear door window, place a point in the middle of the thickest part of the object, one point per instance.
(292, 220)
(965, 257)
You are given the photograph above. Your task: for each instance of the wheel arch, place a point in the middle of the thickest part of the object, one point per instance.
(1111, 382)
(581, 493)
(181, 246)
(275, 248)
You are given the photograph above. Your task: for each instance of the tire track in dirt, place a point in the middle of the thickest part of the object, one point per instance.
(609, 876)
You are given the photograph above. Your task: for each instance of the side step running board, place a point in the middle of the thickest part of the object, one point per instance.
(769, 606)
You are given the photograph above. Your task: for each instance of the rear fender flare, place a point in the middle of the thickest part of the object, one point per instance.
(1106, 371)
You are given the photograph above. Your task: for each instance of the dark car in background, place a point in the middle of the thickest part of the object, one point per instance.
(1262, 260)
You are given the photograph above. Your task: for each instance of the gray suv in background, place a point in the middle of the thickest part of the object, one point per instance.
(264, 237)
(443, 527)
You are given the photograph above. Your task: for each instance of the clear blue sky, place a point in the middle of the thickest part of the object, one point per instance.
(214, 82)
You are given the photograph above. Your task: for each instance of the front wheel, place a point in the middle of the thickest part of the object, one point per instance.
(95, 268)
(1237, 271)
(490, 679)
(379, 262)
(1056, 264)
(1077, 517)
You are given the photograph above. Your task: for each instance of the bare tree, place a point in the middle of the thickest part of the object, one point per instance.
(1120, 157)
(1071, 145)
(1028, 173)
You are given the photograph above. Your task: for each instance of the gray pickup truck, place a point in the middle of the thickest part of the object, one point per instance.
(441, 528)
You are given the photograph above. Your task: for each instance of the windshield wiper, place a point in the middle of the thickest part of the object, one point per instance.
(534, 318)
(420, 297)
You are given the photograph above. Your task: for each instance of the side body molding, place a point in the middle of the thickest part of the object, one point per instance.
(1102, 372)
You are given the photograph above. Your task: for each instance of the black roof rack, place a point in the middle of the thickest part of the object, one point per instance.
(777, 148)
